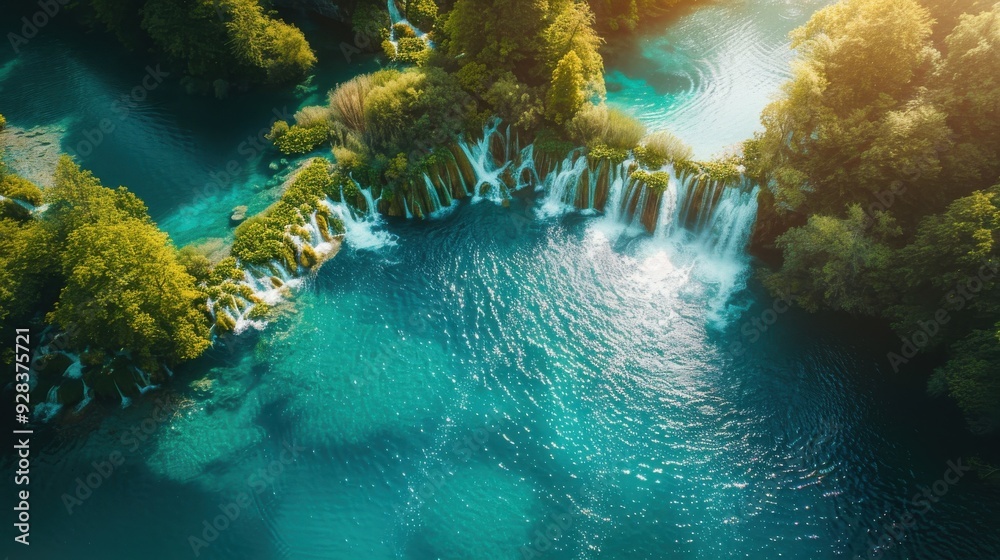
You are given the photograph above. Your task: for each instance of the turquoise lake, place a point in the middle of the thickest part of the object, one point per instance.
(493, 383)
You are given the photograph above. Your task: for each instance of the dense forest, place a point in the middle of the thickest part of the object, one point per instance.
(879, 164)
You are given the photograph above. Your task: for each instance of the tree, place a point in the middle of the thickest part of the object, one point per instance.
(126, 290)
(972, 378)
(566, 95)
(572, 31)
(78, 198)
(28, 266)
(842, 38)
(501, 34)
(836, 263)
(968, 87)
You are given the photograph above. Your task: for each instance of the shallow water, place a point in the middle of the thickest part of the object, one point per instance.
(496, 383)
(707, 74)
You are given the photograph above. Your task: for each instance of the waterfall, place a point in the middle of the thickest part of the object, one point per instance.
(488, 173)
(731, 222)
(692, 208)
(561, 185)
(396, 17)
(436, 206)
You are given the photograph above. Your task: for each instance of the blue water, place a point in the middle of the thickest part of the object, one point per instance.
(492, 384)
(453, 391)
(706, 74)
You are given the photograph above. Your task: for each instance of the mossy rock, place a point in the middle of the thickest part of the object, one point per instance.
(238, 216)
(308, 257)
(52, 365)
(224, 323)
(117, 375)
(71, 392)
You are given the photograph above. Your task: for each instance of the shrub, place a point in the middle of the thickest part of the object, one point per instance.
(411, 50)
(311, 185)
(661, 148)
(262, 239)
(623, 131)
(597, 124)
(13, 186)
(259, 240)
(347, 101)
(302, 140)
(370, 21)
(195, 262)
(278, 129)
(403, 31)
(313, 116)
(655, 180)
(422, 13)
(614, 155)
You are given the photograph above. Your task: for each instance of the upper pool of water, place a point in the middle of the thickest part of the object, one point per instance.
(707, 74)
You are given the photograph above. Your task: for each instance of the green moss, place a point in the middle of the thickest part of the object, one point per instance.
(259, 240)
(224, 323)
(725, 170)
(299, 139)
(308, 257)
(603, 152)
(655, 180)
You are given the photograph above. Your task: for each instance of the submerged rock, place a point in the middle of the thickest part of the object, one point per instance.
(52, 365)
(238, 216)
(71, 392)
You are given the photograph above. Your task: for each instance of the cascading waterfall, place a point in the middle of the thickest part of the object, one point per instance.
(715, 213)
(395, 16)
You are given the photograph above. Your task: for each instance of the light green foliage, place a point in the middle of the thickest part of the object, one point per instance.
(661, 148)
(126, 289)
(658, 181)
(263, 239)
(845, 126)
(840, 39)
(566, 94)
(598, 125)
(423, 13)
(28, 267)
(78, 199)
(409, 50)
(301, 139)
(195, 262)
(572, 31)
(124, 285)
(13, 186)
(602, 152)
